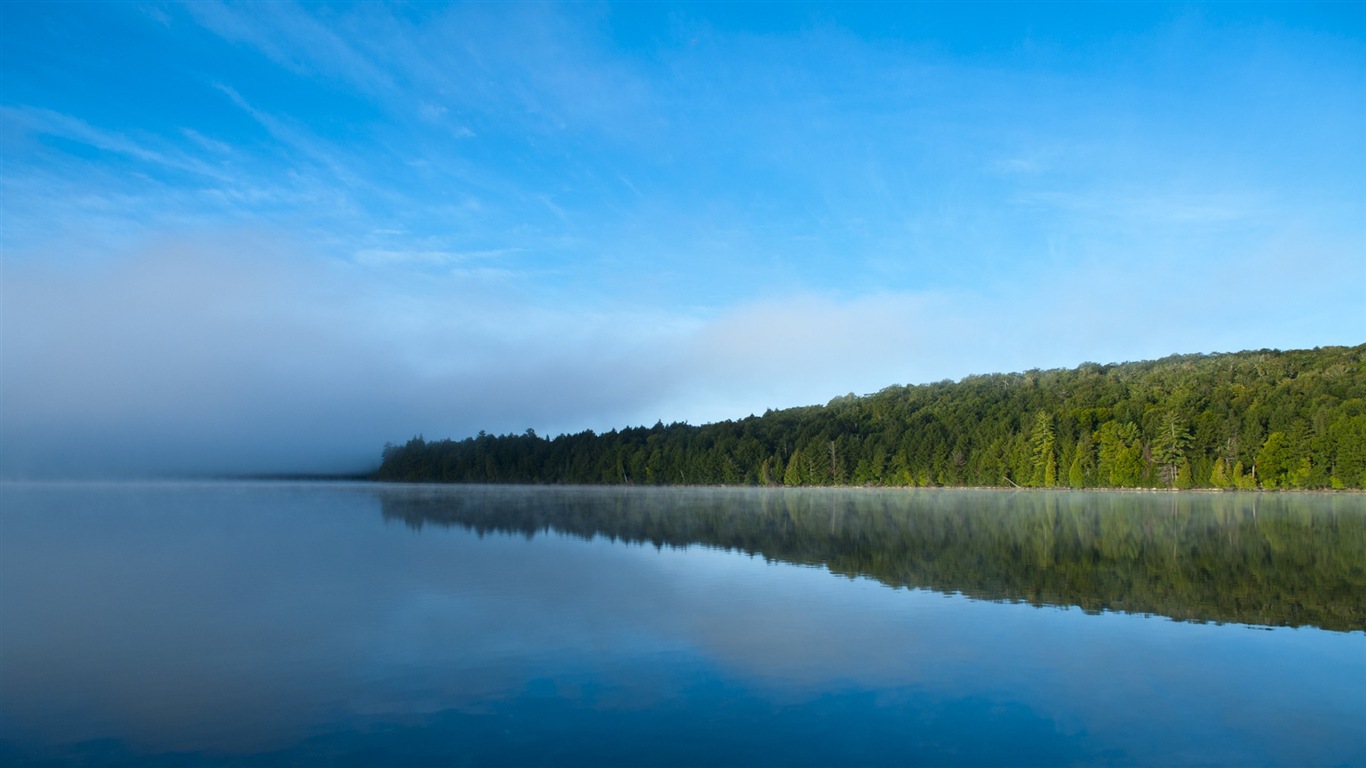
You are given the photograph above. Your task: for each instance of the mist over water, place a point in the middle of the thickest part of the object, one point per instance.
(278, 623)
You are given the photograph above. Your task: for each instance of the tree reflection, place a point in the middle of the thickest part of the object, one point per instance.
(1280, 561)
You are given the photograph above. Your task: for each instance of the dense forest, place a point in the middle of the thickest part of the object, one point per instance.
(1248, 420)
(1251, 559)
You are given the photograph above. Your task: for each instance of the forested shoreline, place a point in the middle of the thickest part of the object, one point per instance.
(1262, 419)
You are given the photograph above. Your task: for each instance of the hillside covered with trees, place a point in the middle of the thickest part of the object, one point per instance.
(1248, 420)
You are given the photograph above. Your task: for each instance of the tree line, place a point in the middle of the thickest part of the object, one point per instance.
(1262, 419)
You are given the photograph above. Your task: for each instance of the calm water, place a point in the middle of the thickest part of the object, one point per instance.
(362, 624)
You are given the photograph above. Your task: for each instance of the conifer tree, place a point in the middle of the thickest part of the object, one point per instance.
(1218, 477)
(796, 469)
(1169, 450)
(1042, 440)
(1184, 481)
(1273, 460)
(1076, 475)
(1121, 454)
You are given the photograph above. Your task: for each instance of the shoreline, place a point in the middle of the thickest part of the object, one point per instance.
(1172, 491)
(368, 479)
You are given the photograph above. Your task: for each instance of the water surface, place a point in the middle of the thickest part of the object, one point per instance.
(239, 623)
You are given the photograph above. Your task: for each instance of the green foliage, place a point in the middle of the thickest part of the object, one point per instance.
(796, 470)
(1219, 478)
(1042, 441)
(1276, 419)
(1169, 448)
(1348, 434)
(1121, 453)
(1273, 460)
(1184, 478)
(1076, 474)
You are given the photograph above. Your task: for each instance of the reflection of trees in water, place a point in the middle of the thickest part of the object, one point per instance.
(1287, 561)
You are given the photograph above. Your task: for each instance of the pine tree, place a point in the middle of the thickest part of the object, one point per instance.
(1184, 480)
(766, 472)
(1273, 460)
(1076, 475)
(1121, 454)
(794, 474)
(1219, 476)
(1299, 477)
(1169, 449)
(1042, 440)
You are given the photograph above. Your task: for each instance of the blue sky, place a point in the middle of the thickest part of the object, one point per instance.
(274, 236)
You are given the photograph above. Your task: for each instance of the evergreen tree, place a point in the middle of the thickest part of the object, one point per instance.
(795, 474)
(1348, 435)
(1299, 476)
(766, 472)
(1042, 441)
(1273, 460)
(1219, 476)
(1184, 481)
(1076, 475)
(1169, 449)
(1121, 454)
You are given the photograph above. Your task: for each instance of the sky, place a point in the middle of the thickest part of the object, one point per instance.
(273, 237)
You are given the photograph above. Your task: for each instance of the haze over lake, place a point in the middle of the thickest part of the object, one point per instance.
(278, 623)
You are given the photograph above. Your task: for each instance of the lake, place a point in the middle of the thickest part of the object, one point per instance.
(360, 624)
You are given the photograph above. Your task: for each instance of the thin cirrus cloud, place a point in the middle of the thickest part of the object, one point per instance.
(327, 227)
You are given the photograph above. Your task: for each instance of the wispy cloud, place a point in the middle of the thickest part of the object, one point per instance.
(296, 140)
(1156, 207)
(44, 122)
(376, 257)
(290, 36)
(213, 145)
